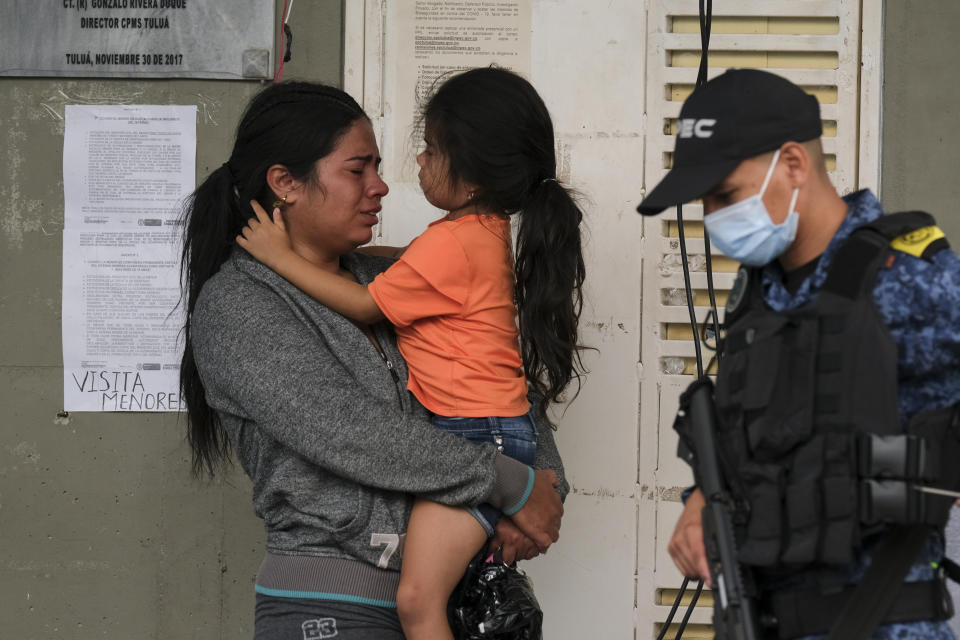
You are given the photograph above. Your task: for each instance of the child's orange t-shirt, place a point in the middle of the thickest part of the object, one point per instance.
(450, 297)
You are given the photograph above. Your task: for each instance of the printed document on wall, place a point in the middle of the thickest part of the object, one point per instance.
(127, 165)
(437, 37)
(127, 170)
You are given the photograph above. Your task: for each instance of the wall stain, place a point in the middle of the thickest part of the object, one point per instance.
(607, 328)
(599, 492)
(564, 162)
(207, 108)
(661, 494)
(26, 452)
(70, 565)
(23, 214)
(52, 107)
(12, 222)
(671, 494)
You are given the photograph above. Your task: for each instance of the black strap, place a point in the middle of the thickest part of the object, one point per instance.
(934, 248)
(810, 612)
(856, 263)
(951, 568)
(857, 260)
(894, 225)
(872, 598)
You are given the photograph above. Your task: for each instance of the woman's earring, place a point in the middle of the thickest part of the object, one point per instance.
(280, 203)
(471, 195)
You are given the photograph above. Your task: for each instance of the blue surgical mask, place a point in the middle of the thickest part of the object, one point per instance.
(744, 231)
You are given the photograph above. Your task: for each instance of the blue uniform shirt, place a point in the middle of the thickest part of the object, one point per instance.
(919, 301)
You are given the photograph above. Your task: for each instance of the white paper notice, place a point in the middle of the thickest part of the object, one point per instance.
(126, 172)
(127, 165)
(435, 37)
(121, 320)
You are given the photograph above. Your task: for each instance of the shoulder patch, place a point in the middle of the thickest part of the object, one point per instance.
(921, 243)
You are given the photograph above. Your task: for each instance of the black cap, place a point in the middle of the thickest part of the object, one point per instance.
(737, 115)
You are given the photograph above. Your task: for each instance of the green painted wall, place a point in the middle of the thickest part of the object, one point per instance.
(921, 137)
(921, 110)
(103, 531)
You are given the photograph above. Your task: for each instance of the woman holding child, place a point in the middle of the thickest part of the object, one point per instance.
(311, 394)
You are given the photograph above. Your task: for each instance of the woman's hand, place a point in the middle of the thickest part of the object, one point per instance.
(539, 518)
(512, 542)
(686, 546)
(265, 239)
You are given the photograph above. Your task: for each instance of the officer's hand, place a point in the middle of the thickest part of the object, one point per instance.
(686, 546)
(540, 516)
(512, 543)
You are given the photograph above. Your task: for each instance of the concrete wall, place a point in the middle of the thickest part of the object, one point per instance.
(103, 531)
(921, 139)
(921, 110)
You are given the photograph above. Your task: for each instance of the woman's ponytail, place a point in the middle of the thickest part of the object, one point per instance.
(293, 124)
(550, 274)
(210, 225)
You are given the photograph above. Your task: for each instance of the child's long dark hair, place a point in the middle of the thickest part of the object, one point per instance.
(497, 134)
(293, 124)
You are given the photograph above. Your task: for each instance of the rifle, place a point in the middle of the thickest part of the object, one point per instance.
(734, 611)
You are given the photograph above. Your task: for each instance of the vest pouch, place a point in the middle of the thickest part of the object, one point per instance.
(803, 503)
(730, 384)
(940, 430)
(780, 389)
(763, 487)
(745, 380)
(763, 362)
(840, 532)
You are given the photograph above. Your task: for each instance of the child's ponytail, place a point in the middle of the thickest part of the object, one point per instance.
(550, 274)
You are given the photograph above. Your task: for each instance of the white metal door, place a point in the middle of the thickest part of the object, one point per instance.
(614, 74)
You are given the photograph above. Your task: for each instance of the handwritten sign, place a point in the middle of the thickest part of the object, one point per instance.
(123, 391)
(126, 171)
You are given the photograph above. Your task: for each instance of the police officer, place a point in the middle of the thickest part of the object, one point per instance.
(842, 335)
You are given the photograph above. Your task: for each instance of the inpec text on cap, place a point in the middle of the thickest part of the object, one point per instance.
(702, 128)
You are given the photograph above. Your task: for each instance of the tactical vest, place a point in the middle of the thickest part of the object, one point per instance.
(809, 427)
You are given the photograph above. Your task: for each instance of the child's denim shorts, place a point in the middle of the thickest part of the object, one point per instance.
(515, 437)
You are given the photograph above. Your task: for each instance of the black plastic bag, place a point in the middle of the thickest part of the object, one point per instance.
(495, 600)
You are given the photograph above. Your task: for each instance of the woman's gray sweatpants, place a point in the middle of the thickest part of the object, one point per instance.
(308, 619)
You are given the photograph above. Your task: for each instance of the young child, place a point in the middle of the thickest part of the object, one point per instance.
(455, 297)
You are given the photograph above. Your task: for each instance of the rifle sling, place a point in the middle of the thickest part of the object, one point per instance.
(881, 597)
(916, 601)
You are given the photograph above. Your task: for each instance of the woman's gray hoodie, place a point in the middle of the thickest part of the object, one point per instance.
(335, 445)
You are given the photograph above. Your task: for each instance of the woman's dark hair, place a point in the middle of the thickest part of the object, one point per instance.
(293, 124)
(497, 136)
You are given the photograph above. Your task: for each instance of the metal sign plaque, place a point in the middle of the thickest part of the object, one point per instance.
(230, 39)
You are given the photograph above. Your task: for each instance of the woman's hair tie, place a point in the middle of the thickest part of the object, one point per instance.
(233, 177)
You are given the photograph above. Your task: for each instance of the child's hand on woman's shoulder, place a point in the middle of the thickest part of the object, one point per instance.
(265, 239)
